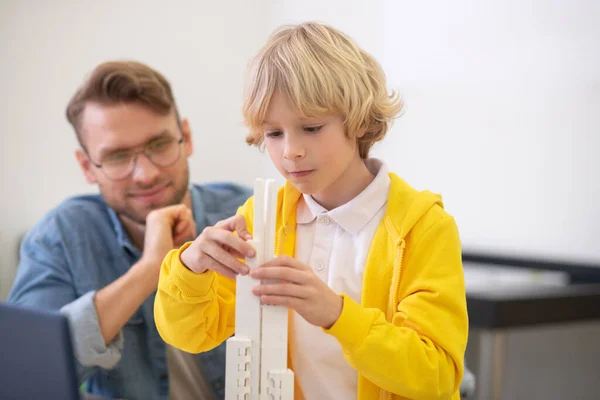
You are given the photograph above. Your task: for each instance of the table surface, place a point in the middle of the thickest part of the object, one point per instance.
(503, 297)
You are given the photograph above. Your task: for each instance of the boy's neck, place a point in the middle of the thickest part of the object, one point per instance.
(350, 184)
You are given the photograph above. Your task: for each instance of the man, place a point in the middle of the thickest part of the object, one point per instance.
(97, 258)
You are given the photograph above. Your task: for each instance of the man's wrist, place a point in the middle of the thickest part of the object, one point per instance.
(146, 272)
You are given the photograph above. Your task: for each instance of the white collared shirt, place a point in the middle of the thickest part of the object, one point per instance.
(335, 244)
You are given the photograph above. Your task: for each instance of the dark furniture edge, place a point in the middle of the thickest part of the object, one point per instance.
(580, 272)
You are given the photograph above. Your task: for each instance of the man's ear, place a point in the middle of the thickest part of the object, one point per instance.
(86, 166)
(186, 131)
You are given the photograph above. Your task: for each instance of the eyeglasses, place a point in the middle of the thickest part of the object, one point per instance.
(162, 152)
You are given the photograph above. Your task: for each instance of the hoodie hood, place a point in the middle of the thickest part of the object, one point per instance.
(409, 205)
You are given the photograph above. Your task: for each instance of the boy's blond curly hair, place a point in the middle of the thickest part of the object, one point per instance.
(320, 71)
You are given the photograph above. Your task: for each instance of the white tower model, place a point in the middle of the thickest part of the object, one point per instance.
(257, 354)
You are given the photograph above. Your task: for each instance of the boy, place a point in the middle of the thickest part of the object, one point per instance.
(370, 267)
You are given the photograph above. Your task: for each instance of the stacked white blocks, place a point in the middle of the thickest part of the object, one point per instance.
(257, 354)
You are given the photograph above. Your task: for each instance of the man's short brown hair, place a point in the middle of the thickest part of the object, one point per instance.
(116, 82)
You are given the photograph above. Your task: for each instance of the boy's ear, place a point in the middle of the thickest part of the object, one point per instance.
(355, 135)
(360, 133)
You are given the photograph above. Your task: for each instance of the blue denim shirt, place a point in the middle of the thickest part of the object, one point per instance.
(79, 248)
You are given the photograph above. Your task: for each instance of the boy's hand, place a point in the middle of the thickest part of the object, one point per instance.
(218, 248)
(299, 289)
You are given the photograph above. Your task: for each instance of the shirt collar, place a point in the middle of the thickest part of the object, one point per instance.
(122, 236)
(355, 214)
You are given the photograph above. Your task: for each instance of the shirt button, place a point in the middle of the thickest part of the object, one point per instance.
(319, 266)
(325, 220)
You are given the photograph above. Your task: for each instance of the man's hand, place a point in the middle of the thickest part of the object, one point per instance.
(298, 288)
(219, 249)
(166, 229)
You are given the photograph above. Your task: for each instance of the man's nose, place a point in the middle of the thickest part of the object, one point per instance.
(144, 171)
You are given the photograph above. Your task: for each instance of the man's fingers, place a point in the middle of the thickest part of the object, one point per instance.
(185, 225)
(185, 229)
(171, 211)
(184, 236)
(171, 215)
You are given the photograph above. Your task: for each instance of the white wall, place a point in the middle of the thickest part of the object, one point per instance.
(509, 92)
(501, 103)
(47, 48)
(502, 112)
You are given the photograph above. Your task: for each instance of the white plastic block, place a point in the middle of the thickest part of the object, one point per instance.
(247, 322)
(281, 385)
(270, 211)
(238, 375)
(259, 220)
(257, 355)
(274, 341)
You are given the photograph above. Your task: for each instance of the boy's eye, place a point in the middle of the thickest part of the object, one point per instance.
(313, 129)
(273, 133)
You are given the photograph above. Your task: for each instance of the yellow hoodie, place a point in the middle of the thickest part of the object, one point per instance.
(408, 336)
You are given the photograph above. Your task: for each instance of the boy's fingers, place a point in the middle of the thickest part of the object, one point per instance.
(288, 262)
(280, 289)
(280, 273)
(225, 237)
(223, 258)
(237, 223)
(234, 252)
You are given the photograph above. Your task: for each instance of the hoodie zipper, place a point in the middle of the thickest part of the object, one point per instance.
(396, 281)
(279, 241)
(398, 272)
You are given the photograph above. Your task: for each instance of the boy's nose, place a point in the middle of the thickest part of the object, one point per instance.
(293, 150)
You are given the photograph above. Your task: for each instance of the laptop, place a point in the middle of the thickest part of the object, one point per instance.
(36, 355)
